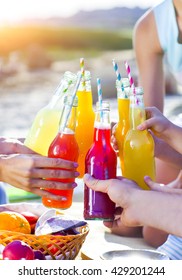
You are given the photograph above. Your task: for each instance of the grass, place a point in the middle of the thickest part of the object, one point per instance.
(71, 40)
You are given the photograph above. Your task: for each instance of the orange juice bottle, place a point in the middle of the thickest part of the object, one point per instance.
(46, 123)
(85, 121)
(123, 90)
(138, 151)
(64, 146)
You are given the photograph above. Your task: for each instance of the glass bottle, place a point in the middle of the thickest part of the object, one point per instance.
(64, 146)
(101, 163)
(46, 123)
(85, 121)
(122, 127)
(138, 149)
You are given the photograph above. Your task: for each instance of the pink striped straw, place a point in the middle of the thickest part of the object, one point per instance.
(130, 77)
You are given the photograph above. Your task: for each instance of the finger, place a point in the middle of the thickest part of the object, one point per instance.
(54, 162)
(44, 193)
(95, 184)
(52, 173)
(145, 125)
(158, 187)
(47, 184)
(152, 185)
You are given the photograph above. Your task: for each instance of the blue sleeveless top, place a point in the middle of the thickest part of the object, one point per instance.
(172, 247)
(167, 29)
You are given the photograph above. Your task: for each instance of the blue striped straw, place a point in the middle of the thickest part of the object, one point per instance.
(118, 75)
(99, 90)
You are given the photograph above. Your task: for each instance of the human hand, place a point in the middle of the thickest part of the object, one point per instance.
(121, 191)
(156, 121)
(27, 172)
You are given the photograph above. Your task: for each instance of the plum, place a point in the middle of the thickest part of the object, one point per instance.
(17, 250)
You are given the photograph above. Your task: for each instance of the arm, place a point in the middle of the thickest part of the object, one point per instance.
(137, 207)
(13, 146)
(149, 56)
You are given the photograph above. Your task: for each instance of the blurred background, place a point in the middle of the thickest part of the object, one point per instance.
(41, 39)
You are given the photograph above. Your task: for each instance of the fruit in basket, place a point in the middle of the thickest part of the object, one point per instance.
(17, 250)
(14, 221)
(31, 218)
(38, 255)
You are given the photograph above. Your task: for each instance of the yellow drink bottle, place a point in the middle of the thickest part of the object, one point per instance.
(138, 149)
(84, 131)
(46, 123)
(122, 127)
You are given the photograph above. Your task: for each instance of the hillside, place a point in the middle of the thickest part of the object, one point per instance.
(116, 18)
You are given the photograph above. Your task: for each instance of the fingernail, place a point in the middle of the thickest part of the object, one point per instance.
(87, 176)
(139, 127)
(147, 178)
(74, 185)
(75, 164)
(76, 174)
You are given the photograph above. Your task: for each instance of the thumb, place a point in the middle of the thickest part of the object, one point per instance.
(95, 184)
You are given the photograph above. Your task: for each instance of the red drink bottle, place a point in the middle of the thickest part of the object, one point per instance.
(101, 163)
(64, 146)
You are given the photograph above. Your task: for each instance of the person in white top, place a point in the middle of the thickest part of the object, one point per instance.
(157, 42)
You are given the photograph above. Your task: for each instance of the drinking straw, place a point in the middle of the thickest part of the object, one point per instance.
(130, 77)
(72, 100)
(118, 75)
(99, 90)
(82, 67)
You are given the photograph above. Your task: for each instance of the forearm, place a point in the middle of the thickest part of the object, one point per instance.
(169, 155)
(173, 137)
(164, 213)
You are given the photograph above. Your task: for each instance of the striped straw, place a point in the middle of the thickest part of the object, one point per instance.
(130, 77)
(82, 67)
(118, 75)
(106, 173)
(72, 100)
(99, 90)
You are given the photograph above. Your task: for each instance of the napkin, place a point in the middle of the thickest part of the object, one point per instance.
(52, 223)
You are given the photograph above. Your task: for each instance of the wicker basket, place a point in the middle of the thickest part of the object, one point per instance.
(55, 247)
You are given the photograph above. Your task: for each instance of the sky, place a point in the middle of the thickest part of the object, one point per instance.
(15, 10)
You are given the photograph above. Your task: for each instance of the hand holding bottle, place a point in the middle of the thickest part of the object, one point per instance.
(137, 209)
(27, 172)
(162, 127)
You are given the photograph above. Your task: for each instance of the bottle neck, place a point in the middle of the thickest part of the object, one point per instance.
(85, 86)
(85, 100)
(137, 110)
(65, 87)
(68, 118)
(102, 126)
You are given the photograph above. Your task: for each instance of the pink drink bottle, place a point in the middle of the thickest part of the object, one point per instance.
(101, 163)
